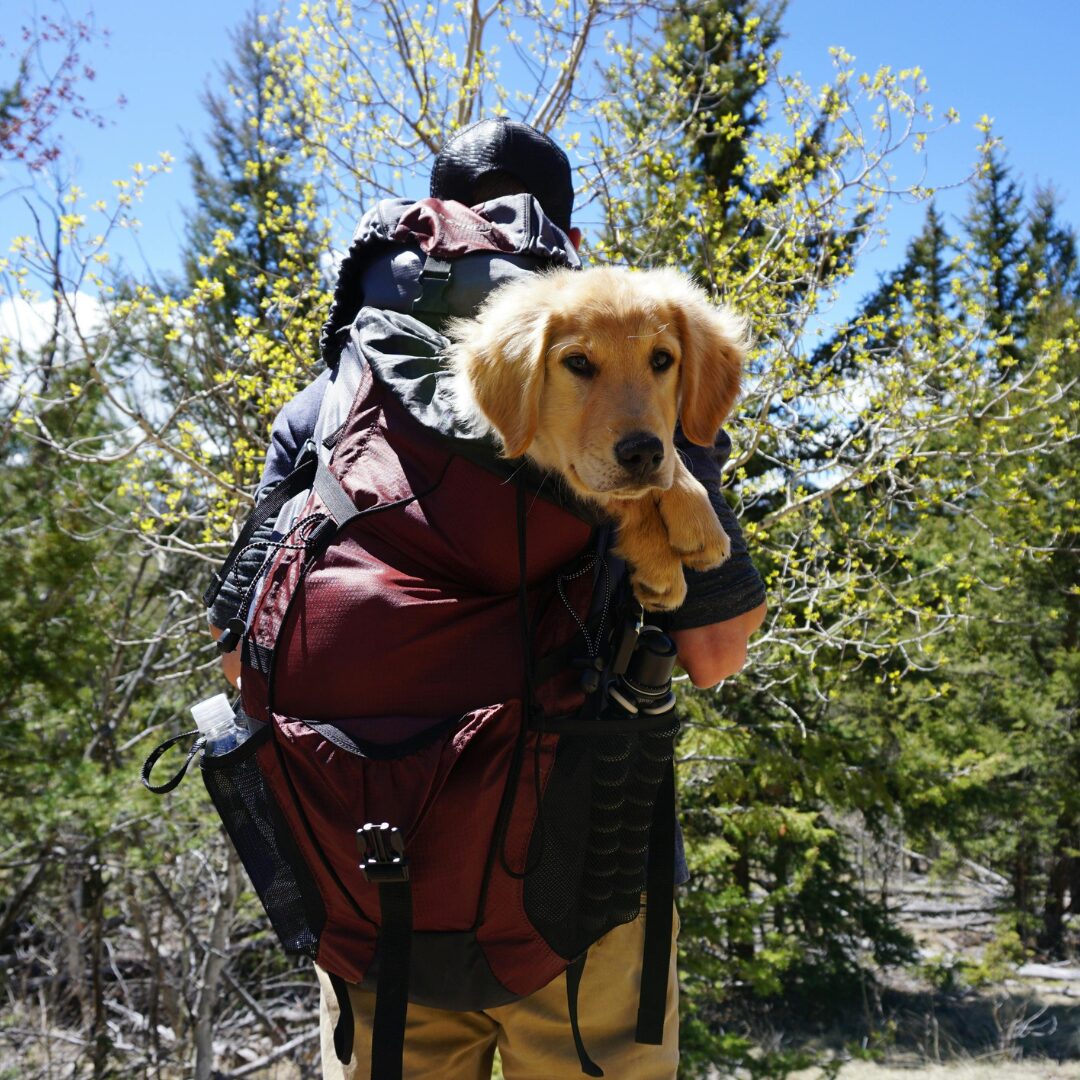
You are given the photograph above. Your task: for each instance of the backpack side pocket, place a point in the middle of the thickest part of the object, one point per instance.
(265, 843)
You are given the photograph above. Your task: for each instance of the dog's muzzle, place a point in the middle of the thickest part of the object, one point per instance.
(639, 454)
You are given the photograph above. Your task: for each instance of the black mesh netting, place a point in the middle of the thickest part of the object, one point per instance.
(265, 844)
(590, 855)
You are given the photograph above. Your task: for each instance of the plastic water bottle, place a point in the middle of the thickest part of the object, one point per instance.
(217, 723)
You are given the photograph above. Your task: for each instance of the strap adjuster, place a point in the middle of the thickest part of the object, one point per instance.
(382, 853)
(210, 594)
(434, 281)
(320, 535)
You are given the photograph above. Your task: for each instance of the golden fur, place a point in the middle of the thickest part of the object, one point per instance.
(577, 369)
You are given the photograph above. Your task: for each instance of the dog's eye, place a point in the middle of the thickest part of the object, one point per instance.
(661, 360)
(580, 365)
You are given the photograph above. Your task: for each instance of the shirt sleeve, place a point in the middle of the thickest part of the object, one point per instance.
(233, 589)
(295, 424)
(735, 587)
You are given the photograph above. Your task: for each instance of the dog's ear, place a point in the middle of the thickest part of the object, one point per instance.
(714, 343)
(501, 353)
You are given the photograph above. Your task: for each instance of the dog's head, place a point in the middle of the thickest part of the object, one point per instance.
(587, 373)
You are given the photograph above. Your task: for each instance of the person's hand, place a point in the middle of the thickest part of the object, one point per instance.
(230, 661)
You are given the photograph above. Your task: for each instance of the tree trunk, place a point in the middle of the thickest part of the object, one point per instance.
(1063, 873)
(1021, 883)
(212, 968)
(743, 947)
(94, 895)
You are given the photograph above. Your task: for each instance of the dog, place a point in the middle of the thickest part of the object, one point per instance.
(586, 373)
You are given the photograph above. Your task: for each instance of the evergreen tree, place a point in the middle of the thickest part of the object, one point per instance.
(243, 185)
(985, 738)
(994, 226)
(920, 288)
(255, 298)
(722, 79)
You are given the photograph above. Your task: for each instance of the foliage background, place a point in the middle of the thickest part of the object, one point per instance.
(906, 476)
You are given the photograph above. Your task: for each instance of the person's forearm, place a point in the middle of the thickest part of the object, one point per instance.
(710, 654)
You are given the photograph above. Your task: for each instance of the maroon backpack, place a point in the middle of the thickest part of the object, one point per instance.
(460, 773)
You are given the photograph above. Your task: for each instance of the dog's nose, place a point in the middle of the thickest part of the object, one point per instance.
(639, 453)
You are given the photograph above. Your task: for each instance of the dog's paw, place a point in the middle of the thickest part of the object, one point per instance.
(697, 538)
(662, 589)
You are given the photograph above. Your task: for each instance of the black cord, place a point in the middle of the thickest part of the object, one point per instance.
(530, 712)
(270, 547)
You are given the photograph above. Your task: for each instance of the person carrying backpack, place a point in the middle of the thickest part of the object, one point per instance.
(412, 265)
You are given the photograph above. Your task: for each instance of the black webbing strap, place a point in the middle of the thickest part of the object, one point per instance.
(345, 1028)
(521, 513)
(328, 487)
(573, 984)
(660, 898)
(392, 992)
(434, 281)
(300, 479)
(152, 760)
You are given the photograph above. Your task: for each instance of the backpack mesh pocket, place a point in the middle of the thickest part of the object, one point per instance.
(265, 844)
(591, 854)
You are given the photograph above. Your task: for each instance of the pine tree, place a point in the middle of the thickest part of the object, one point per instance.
(994, 226)
(986, 738)
(722, 79)
(243, 184)
(254, 287)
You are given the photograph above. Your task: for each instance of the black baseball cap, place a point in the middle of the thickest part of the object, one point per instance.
(506, 146)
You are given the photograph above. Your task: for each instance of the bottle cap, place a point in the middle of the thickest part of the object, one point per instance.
(214, 716)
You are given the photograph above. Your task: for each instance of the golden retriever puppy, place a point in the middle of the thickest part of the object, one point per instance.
(586, 373)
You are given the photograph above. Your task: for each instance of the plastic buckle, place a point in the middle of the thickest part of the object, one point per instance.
(432, 298)
(321, 535)
(231, 635)
(382, 853)
(210, 595)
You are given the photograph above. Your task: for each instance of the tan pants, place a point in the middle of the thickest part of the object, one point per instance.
(532, 1035)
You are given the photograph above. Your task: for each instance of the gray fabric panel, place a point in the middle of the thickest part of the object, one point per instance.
(338, 400)
(406, 355)
(520, 218)
(392, 281)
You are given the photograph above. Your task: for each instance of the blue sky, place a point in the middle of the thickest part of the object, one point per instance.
(1014, 62)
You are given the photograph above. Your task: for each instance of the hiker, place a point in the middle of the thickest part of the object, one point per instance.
(491, 161)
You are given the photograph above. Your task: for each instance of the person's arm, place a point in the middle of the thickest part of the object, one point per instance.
(710, 654)
(726, 605)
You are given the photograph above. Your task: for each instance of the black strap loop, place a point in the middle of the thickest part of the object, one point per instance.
(392, 992)
(152, 760)
(659, 914)
(345, 1028)
(573, 984)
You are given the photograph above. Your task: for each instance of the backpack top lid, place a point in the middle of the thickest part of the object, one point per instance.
(488, 244)
(505, 146)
